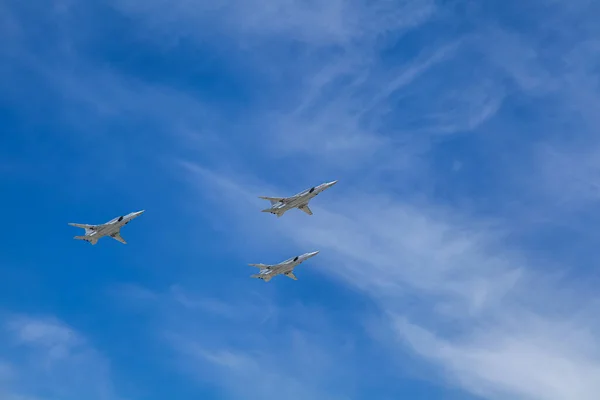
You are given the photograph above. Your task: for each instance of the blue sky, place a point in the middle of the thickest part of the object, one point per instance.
(457, 252)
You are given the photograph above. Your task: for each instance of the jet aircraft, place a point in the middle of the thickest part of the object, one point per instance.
(267, 272)
(112, 228)
(280, 205)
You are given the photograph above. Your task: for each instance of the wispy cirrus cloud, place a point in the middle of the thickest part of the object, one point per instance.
(46, 359)
(486, 314)
(461, 275)
(338, 90)
(388, 97)
(317, 23)
(546, 359)
(255, 348)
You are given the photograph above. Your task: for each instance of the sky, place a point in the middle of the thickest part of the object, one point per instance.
(457, 251)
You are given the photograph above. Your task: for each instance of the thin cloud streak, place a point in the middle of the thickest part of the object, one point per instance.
(459, 272)
(531, 361)
(460, 269)
(339, 103)
(46, 359)
(317, 23)
(257, 348)
(349, 109)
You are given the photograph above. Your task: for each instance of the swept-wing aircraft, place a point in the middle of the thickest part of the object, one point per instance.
(112, 228)
(280, 205)
(267, 272)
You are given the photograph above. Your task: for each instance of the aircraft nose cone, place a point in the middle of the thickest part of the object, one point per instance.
(332, 183)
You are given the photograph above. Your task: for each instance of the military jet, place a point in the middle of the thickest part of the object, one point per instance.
(279, 205)
(267, 272)
(112, 228)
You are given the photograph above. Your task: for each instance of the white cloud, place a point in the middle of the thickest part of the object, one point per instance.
(396, 238)
(52, 336)
(476, 295)
(338, 104)
(337, 97)
(536, 361)
(498, 322)
(47, 359)
(335, 120)
(6, 371)
(316, 22)
(351, 109)
(256, 347)
(297, 370)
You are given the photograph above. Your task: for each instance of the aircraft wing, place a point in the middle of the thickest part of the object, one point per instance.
(306, 209)
(117, 236)
(291, 275)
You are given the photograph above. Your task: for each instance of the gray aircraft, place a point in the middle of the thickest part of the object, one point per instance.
(267, 272)
(112, 228)
(279, 205)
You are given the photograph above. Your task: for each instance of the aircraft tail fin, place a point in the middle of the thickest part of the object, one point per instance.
(86, 239)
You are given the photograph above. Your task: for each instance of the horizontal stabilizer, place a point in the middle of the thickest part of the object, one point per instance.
(273, 200)
(88, 228)
(261, 266)
(273, 211)
(87, 239)
(264, 277)
(84, 226)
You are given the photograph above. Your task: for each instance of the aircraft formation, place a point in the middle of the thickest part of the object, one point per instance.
(279, 206)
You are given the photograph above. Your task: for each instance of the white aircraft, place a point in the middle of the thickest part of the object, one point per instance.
(279, 205)
(112, 228)
(267, 272)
